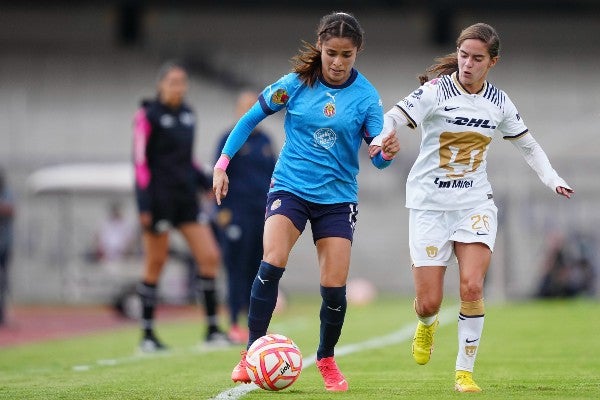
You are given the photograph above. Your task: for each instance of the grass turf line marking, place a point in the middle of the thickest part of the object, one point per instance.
(405, 333)
(139, 356)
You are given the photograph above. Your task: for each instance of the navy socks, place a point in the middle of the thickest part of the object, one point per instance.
(263, 298)
(333, 311)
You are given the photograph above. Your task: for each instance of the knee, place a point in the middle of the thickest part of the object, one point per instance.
(427, 306)
(276, 258)
(471, 290)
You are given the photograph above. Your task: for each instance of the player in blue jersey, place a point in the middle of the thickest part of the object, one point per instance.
(453, 218)
(241, 214)
(331, 108)
(167, 187)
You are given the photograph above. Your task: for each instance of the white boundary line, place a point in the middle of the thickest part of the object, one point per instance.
(404, 333)
(140, 356)
(198, 349)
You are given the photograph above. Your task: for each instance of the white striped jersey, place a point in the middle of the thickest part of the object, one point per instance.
(457, 128)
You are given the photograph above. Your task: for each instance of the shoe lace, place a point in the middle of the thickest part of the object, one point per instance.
(243, 359)
(425, 336)
(464, 379)
(330, 370)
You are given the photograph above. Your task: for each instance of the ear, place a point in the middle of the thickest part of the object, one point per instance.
(318, 45)
(493, 61)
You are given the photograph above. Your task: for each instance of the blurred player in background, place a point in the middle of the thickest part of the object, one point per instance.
(330, 109)
(452, 213)
(7, 213)
(167, 189)
(241, 214)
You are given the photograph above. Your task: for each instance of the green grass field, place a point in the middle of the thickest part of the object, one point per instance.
(530, 350)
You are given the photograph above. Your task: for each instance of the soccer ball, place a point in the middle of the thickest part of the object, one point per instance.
(273, 362)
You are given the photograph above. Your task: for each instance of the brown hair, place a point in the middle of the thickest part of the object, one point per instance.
(307, 63)
(167, 66)
(448, 64)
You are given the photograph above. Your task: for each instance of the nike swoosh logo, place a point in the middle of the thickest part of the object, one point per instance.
(450, 108)
(262, 280)
(482, 233)
(471, 341)
(335, 309)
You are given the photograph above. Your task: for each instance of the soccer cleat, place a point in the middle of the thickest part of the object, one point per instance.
(217, 339)
(422, 345)
(151, 344)
(465, 383)
(239, 373)
(334, 380)
(238, 335)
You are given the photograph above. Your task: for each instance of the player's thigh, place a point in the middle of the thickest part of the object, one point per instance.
(285, 220)
(473, 263)
(429, 288)
(279, 236)
(202, 244)
(334, 260)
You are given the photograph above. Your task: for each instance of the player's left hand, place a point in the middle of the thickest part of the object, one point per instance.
(390, 145)
(565, 191)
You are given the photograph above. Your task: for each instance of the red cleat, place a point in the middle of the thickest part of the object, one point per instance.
(334, 380)
(239, 373)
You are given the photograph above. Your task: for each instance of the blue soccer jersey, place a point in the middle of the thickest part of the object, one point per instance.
(324, 126)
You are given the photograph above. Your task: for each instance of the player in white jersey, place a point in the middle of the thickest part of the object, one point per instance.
(452, 211)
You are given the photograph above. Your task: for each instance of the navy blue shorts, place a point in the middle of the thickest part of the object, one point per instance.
(326, 220)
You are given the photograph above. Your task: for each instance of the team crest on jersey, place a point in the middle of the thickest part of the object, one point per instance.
(276, 204)
(187, 118)
(431, 251)
(325, 137)
(329, 110)
(167, 121)
(280, 97)
(224, 217)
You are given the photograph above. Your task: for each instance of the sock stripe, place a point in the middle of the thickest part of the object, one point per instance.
(463, 316)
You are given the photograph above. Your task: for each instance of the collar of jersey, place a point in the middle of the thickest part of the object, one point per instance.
(462, 88)
(170, 109)
(350, 81)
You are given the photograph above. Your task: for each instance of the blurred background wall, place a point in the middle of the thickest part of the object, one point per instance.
(72, 75)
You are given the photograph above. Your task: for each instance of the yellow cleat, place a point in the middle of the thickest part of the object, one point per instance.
(465, 382)
(422, 345)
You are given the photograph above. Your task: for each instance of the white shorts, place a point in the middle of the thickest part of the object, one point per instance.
(432, 233)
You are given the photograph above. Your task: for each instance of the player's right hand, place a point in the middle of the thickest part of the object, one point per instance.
(220, 184)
